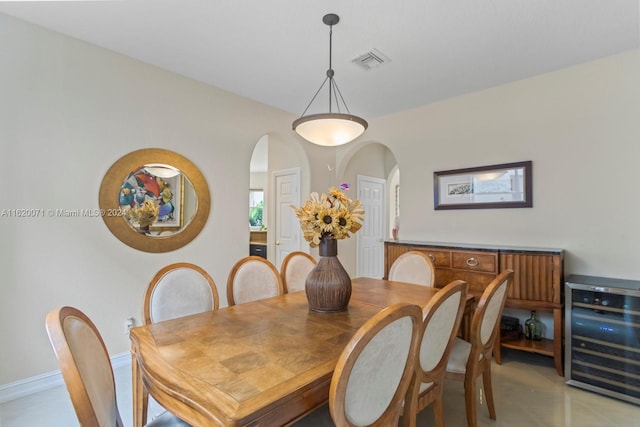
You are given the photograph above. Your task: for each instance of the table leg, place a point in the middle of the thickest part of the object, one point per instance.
(140, 395)
(557, 340)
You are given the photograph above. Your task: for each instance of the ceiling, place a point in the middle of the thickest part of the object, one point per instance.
(277, 51)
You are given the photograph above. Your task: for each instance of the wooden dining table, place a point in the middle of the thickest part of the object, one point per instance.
(266, 362)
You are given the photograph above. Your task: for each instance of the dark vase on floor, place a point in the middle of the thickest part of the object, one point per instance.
(328, 286)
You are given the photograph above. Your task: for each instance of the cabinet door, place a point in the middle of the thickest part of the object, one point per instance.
(537, 277)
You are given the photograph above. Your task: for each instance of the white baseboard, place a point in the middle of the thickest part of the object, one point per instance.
(27, 386)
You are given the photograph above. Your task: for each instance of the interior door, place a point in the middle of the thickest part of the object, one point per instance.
(287, 233)
(370, 239)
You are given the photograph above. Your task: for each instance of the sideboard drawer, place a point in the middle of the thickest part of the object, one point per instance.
(486, 262)
(440, 258)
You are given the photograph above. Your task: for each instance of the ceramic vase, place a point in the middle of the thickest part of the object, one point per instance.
(328, 286)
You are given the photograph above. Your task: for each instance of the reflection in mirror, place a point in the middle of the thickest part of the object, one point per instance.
(157, 207)
(157, 199)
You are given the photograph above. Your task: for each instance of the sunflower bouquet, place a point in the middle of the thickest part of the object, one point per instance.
(329, 216)
(145, 215)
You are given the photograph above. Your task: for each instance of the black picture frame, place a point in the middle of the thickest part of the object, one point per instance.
(507, 185)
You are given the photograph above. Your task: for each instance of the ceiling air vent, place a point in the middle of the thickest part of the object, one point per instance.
(371, 59)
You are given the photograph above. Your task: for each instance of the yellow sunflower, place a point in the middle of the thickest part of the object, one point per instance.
(332, 216)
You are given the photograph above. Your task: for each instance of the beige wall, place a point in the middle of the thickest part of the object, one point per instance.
(68, 110)
(580, 128)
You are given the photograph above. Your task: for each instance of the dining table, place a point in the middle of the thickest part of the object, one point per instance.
(267, 362)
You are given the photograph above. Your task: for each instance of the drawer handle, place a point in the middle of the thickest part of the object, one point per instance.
(472, 262)
(432, 258)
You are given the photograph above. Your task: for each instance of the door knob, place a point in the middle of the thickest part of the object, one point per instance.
(277, 242)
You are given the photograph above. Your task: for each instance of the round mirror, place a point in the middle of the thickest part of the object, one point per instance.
(154, 200)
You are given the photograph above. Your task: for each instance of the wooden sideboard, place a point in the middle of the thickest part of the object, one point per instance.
(537, 282)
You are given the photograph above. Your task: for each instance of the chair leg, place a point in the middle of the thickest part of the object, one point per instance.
(488, 390)
(408, 415)
(470, 399)
(145, 406)
(438, 412)
(410, 410)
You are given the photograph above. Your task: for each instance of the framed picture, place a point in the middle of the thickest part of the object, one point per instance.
(171, 203)
(508, 185)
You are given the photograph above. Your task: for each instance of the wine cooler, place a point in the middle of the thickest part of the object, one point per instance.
(602, 336)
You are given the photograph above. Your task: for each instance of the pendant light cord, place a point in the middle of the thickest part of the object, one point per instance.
(330, 72)
(333, 86)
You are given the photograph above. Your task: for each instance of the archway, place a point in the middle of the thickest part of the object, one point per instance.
(273, 155)
(375, 160)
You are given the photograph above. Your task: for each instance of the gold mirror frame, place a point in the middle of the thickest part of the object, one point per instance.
(118, 225)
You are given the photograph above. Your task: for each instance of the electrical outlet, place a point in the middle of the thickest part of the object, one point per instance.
(128, 324)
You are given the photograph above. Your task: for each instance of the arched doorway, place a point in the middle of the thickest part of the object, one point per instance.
(374, 162)
(276, 160)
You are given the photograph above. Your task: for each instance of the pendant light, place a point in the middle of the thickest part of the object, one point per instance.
(332, 128)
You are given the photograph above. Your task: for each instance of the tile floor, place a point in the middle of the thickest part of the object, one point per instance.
(527, 389)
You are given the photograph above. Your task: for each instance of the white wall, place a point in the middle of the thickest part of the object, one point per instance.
(258, 181)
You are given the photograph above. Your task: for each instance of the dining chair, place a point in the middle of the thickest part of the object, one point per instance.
(179, 290)
(87, 371)
(295, 269)
(441, 320)
(251, 279)
(413, 267)
(470, 359)
(373, 372)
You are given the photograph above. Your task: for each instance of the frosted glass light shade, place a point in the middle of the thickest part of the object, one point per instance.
(330, 129)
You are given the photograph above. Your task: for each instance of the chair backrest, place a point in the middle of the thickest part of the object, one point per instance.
(253, 278)
(178, 290)
(486, 319)
(295, 269)
(413, 267)
(442, 318)
(373, 372)
(85, 366)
